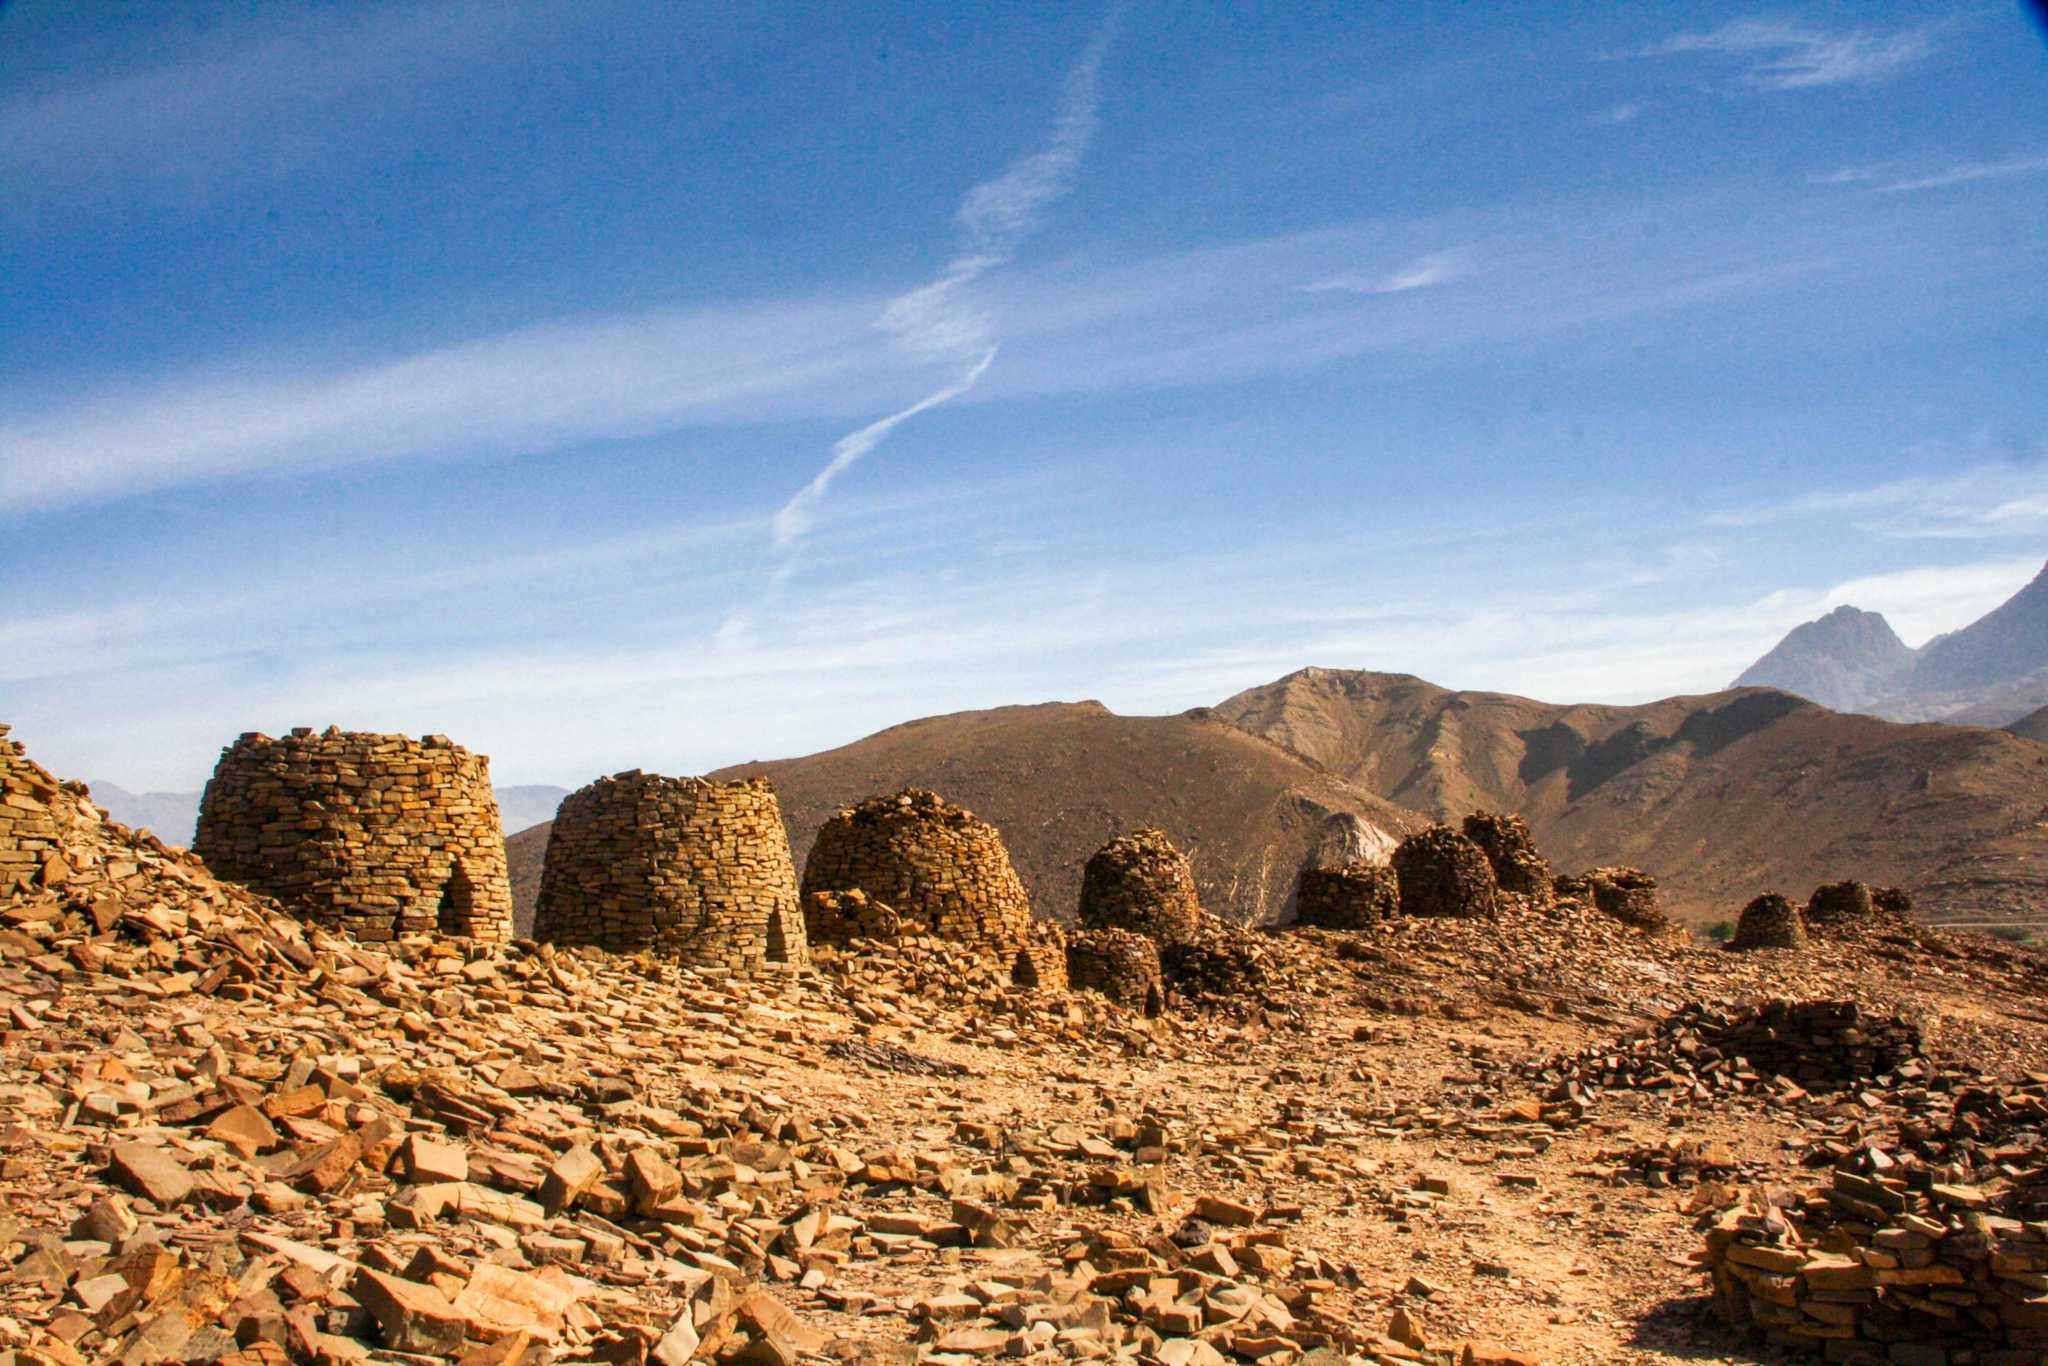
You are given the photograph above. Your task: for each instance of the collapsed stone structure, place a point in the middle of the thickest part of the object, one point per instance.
(380, 835)
(1840, 903)
(1822, 1045)
(1442, 873)
(1626, 894)
(1511, 850)
(1121, 964)
(692, 870)
(1769, 922)
(1140, 882)
(1348, 897)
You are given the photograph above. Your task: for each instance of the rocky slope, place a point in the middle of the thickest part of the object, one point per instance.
(1721, 796)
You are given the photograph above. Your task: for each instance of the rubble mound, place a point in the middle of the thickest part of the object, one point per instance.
(1140, 882)
(1347, 897)
(841, 917)
(1839, 902)
(381, 835)
(1222, 964)
(1769, 922)
(1511, 850)
(1894, 1260)
(1442, 873)
(696, 871)
(942, 868)
(1778, 1047)
(1123, 965)
(1626, 894)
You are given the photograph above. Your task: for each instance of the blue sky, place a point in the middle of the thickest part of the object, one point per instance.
(669, 385)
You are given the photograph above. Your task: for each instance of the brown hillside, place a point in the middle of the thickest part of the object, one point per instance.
(1721, 796)
(1061, 779)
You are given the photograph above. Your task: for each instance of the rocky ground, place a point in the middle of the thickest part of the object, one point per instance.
(224, 1135)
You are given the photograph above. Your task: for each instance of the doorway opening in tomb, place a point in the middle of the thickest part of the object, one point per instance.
(458, 903)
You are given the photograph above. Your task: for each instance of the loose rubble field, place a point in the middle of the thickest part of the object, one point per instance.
(226, 1135)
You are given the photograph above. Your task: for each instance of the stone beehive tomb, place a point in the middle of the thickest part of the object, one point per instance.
(1121, 964)
(694, 870)
(941, 870)
(1511, 850)
(1348, 897)
(1769, 922)
(1140, 882)
(1441, 873)
(379, 835)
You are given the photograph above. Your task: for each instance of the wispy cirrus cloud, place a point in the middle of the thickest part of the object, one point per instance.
(1779, 54)
(1986, 501)
(1893, 178)
(1432, 268)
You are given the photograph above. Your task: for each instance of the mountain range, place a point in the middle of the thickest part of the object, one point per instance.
(1721, 796)
(1992, 672)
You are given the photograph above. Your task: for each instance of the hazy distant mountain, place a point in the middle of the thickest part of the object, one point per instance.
(1846, 660)
(171, 816)
(2034, 725)
(521, 808)
(1990, 672)
(174, 815)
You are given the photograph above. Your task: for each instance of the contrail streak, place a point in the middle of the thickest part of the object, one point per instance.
(937, 319)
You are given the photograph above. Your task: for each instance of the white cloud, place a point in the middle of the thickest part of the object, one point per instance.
(1782, 55)
(1969, 171)
(1619, 114)
(1988, 500)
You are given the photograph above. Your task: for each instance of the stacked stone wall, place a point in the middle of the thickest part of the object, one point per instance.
(1351, 896)
(696, 871)
(1441, 873)
(940, 868)
(379, 835)
(1123, 965)
(1140, 882)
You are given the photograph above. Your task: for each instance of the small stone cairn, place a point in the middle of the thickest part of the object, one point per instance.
(1442, 873)
(379, 835)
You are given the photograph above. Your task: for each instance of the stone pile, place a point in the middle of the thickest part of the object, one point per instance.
(1626, 894)
(942, 869)
(1350, 896)
(1511, 850)
(1769, 922)
(380, 835)
(1779, 1049)
(692, 870)
(1123, 965)
(841, 917)
(1892, 1262)
(1140, 882)
(1442, 873)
